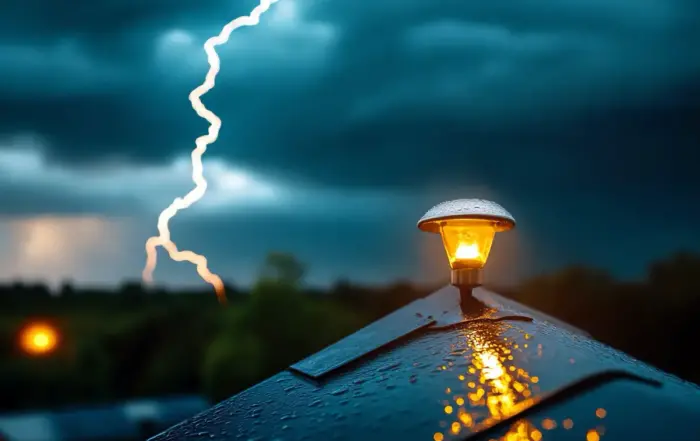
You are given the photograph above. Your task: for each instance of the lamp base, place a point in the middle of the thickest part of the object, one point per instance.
(467, 279)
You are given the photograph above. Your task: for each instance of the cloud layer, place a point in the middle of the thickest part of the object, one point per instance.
(580, 116)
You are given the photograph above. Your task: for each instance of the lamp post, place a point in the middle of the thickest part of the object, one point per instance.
(467, 227)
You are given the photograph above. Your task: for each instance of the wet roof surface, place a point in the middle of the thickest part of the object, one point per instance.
(607, 411)
(452, 383)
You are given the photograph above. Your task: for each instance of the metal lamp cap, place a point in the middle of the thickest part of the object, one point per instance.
(466, 209)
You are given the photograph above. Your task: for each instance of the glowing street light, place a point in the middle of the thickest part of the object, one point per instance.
(467, 227)
(38, 339)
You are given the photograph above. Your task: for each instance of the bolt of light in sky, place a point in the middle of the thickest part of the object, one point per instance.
(201, 143)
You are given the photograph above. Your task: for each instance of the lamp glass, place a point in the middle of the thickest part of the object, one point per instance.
(467, 241)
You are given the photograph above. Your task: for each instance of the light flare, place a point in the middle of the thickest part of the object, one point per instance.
(38, 339)
(201, 143)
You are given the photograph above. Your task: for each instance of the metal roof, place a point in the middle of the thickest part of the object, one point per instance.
(455, 379)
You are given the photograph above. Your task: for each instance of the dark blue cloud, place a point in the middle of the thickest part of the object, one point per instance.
(579, 116)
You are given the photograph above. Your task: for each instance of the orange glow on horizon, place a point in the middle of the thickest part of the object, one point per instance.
(39, 339)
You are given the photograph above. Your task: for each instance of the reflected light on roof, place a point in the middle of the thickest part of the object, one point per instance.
(499, 388)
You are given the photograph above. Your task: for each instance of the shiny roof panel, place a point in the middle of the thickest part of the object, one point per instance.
(605, 412)
(474, 375)
(367, 340)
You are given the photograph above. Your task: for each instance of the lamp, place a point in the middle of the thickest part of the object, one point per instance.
(467, 227)
(38, 339)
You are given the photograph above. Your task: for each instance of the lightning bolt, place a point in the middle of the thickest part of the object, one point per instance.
(201, 143)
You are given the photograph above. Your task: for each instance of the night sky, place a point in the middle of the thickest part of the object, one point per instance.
(343, 122)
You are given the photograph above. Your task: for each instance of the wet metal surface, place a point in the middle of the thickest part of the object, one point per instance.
(439, 384)
(604, 413)
(440, 311)
(369, 339)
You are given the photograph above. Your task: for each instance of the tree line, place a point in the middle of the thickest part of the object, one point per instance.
(138, 342)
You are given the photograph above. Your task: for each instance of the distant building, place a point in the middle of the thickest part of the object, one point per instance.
(130, 421)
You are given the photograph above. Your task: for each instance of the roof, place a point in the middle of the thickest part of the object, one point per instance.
(421, 374)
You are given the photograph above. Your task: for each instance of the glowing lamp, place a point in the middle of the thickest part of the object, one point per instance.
(467, 227)
(38, 339)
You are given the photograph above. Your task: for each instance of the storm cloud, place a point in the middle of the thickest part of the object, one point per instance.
(352, 117)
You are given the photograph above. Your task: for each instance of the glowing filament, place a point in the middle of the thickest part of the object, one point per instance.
(465, 251)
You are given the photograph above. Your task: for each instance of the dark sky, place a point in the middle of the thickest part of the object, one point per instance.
(343, 122)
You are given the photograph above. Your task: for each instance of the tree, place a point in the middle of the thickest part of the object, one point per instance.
(678, 271)
(67, 289)
(278, 313)
(232, 363)
(283, 268)
(576, 294)
(132, 289)
(674, 284)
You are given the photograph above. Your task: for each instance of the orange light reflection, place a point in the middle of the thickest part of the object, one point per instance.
(498, 389)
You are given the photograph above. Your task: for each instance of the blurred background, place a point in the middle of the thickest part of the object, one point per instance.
(143, 359)
(343, 122)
